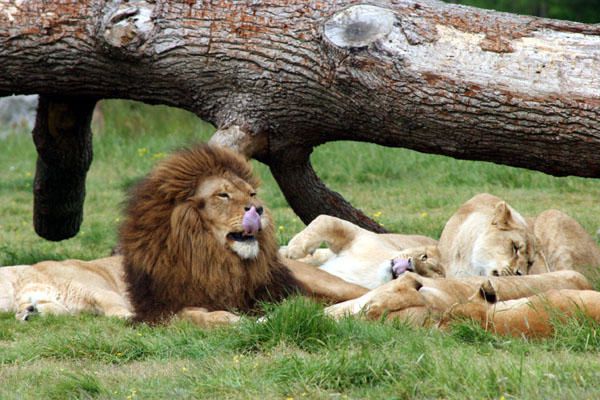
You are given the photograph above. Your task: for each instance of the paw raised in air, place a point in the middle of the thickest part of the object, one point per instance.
(296, 249)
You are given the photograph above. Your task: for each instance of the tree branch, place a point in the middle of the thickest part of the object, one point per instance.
(308, 195)
(63, 139)
(420, 74)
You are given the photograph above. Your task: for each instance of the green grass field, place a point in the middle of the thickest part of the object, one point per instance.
(299, 353)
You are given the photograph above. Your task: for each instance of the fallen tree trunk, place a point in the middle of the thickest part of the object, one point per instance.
(290, 75)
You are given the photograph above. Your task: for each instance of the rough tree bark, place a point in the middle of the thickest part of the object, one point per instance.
(63, 140)
(279, 78)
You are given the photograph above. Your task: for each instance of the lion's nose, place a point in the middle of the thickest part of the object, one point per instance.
(259, 209)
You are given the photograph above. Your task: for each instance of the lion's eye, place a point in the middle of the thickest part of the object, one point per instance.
(223, 195)
(253, 194)
(515, 248)
(424, 257)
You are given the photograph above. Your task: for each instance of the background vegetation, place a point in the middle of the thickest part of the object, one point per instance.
(298, 353)
(573, 10)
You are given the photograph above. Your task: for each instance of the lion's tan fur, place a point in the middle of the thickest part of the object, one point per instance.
(65, 287)
(418, 299)
(565, 244)
(532, 316)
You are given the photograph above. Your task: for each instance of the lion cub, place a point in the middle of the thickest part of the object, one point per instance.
(362, 257)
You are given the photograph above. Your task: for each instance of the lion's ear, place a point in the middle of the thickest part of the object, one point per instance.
(488, 292)
(502, 216)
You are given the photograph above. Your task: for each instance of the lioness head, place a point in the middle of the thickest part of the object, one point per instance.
(507, 246)
(424, 260)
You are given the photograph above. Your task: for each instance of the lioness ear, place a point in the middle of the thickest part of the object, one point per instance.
(502, 216)
(487, 291)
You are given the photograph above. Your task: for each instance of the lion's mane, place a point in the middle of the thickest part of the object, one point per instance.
(171, 259)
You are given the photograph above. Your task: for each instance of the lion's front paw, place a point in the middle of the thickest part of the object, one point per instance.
(297, 248)
(119, 312)
(201, 317)
(375, 310)
(337, 311)
(223, 317)
(293, 252)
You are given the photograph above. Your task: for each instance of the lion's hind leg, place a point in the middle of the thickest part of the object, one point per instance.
(337, 233)
(207, 319)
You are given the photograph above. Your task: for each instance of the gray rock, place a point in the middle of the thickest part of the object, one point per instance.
(17, 113)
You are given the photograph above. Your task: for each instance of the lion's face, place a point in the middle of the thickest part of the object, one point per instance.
(424, 260)
(233, 213)
(507, 246)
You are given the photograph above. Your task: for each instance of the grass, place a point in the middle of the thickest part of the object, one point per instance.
(297, 352)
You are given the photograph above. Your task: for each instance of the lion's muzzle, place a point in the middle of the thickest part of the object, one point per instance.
(251, 221)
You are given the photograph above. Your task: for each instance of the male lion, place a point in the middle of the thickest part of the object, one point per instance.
(362, 257)
(488, 237)
(198, 242)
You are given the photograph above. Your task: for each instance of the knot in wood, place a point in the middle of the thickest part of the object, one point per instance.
(359, 26)
(126, 26)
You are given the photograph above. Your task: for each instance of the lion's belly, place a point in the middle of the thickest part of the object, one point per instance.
(369, 274)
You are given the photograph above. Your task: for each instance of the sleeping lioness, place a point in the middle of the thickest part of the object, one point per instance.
(532, 316)
(66, 287)
(488, 237)
(565, 244)
(420, 300)
(360, 256)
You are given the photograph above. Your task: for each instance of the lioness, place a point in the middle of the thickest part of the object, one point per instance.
(532, 316)
(67, 287)
(488, 237)
(360, 256)
(420, 300)
(565, 244)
